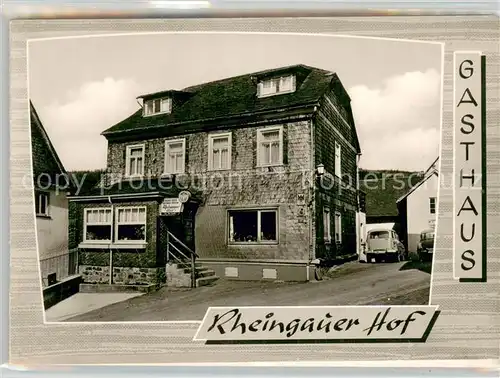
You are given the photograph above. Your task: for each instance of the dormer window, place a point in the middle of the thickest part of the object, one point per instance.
(276, 85)
(157, 106)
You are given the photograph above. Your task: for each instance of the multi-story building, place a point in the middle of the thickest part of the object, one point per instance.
(257, 174)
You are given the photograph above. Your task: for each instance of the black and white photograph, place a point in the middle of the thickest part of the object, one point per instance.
(302, 194)
(174, 172)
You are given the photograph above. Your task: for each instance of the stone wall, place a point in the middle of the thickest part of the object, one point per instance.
(122, 275)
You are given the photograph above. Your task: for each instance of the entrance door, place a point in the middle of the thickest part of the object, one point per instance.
(180, 225)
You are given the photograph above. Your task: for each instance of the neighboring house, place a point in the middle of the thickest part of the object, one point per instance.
(266, 166)
(51, 206)
(383, 189)
(418, 207)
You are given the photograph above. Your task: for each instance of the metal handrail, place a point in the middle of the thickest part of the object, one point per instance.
(191, 252)
(178, 250)
(181, 243)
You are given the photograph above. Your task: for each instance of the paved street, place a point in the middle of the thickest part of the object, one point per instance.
(81, 303)
(352, 283)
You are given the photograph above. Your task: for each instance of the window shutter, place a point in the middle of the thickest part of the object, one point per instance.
(186, 158)
(259, 86)
(255, 142)
(231, 150)
(125, 160)
(144, 165)
(285, 144)
(340, 161)
(293, 82)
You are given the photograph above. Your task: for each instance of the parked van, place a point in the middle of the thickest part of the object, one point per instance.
(383, 244)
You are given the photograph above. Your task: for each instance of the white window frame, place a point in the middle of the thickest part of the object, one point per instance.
(128, 157)
(338, 160)
(259, 211)
(260, 141)
(211, 138)
(168, 143)
(118, 223)
(430, 205)
(46, 197)
(166, 111)
(276, 91)
(327, 225)
(338, 230)
(85, 224)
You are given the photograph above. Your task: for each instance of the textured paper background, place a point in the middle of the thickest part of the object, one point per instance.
(469, 325)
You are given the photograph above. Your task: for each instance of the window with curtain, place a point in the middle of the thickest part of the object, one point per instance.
(175, 156)
(134, 164)
(270, 147)
(157, 106)
(327, 225)
(338, 227)
(276, 85)
(253, 226)
(338, 160)
(97, 225)
(131, 224)
(219, 152)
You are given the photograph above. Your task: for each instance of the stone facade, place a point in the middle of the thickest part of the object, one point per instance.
(291, 188)
(131, 265)
(334, 124)
(286, 188)
(121, 275)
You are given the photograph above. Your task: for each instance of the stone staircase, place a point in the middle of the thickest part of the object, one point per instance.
(179, 275)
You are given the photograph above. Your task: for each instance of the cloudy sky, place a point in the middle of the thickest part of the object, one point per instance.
(82, 86)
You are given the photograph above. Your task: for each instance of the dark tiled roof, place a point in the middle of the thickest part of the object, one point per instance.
(46, 163)
(231, 97)
(382, 193)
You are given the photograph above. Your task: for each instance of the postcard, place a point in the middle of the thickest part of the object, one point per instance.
(240, 190)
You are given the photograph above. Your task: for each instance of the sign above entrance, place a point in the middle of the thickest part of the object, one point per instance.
(184, 196)
(171, 206)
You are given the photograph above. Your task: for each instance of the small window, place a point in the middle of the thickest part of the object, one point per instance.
(270, 147)
(134, 165)
(130, 224)
(219, 152)
(97, 226)
(157, 106)
(338, 169)
(338, 227)
(379, 235)
(277, 85)
(326, 225)
(253, 226)
(175, 156)
(42, 204)
(432, 205)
